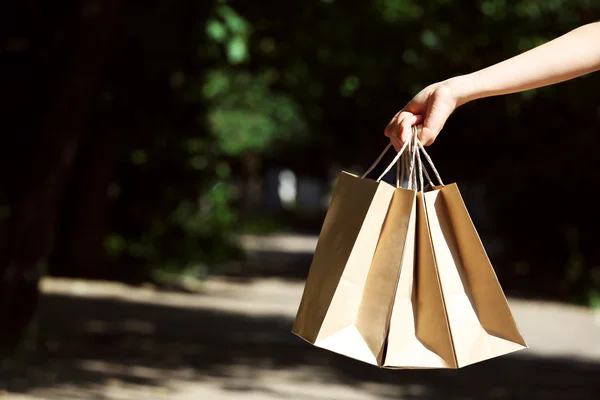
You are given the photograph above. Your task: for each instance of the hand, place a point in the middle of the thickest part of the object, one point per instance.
(431, 106)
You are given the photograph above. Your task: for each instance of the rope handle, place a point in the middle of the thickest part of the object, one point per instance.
(415, 149)
(394, 161)
(411, 179)
(430, 161)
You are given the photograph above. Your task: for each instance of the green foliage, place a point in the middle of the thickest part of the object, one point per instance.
(349, 86)
(351, 75)
(399, 10)
(175, 209)
(228, 28)
(594, 298)
(245, 115)
(209, 86)
(115, 245)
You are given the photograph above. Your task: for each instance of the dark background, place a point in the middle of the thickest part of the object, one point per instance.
(139, 138)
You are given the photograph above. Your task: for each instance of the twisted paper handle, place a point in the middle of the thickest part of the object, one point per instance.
(415, 148)
(433, 168)
(389, 166)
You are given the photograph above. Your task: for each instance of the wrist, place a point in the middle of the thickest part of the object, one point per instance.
(462, 88)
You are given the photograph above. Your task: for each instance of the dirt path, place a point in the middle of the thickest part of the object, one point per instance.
(232, 341)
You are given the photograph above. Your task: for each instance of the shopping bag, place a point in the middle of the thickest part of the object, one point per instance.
(345, 305)
(394, 253)
(418, 335)
(480, 322)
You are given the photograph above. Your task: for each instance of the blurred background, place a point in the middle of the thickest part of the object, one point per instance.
(165, 167)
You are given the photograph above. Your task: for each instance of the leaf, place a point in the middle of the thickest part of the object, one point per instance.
(399, 10)
(114, 244)
(216, 84)
(233, 20)
(223, 170)
(216, 30)
(349, 86)
(249, 116)
(430, 39)
(237, 50)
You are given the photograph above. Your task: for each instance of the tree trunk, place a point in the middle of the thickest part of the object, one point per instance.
(35, 201)
(86, 204)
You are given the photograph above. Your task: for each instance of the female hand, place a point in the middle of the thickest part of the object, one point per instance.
(431, 106)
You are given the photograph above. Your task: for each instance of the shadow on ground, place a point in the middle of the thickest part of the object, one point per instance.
(90, 341)
(288, 257)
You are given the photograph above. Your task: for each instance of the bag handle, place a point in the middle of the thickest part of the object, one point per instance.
(402, 163)
(433, 168)
(408, 163)
(420, 165)
(415, 148)
(394, 161)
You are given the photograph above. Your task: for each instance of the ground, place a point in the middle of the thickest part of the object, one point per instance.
(232, 341)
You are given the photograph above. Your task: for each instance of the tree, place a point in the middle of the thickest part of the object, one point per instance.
(34, 195)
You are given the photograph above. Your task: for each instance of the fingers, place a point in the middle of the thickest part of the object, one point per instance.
(392, 126)
(391, 131)
(406, 125)
(396, 143)
(427, 136)
(400, 127)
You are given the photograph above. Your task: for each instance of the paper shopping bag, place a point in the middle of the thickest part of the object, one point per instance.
(480, 322)
(345, 306)
(449, 311)
(394, 255)
(419, 335)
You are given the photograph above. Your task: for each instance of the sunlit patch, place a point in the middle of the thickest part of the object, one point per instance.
(287, 189)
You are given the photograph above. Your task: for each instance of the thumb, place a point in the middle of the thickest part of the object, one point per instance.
(437, 114)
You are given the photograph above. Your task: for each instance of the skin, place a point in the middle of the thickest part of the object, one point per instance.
(569, 56)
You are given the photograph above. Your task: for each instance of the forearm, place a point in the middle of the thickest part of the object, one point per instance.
(569, 56)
